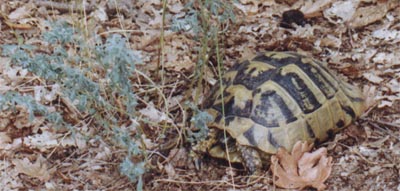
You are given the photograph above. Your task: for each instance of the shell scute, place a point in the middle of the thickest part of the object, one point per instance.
(275, 99)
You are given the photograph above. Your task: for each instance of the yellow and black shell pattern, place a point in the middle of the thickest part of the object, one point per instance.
(275, 99)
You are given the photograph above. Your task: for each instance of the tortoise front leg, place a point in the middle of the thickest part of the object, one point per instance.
(251, 159)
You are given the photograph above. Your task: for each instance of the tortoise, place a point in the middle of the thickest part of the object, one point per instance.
(273, 100)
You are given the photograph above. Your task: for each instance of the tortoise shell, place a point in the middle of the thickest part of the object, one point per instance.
(275, 99)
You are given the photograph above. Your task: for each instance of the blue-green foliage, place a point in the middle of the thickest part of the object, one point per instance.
(18, 54)
(199, 120)
(73, 74)
(52, 68)
(10, 100)
(188, 23)
(205, 22)
(119, 62)
(192, 22)
(125, 140)
(133, 171)
(62, 33)
(215, 8)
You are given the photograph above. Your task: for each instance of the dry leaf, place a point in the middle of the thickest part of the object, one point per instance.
(314, 9)
(158, 18)
(384, 58)
(4, 139)
(22, 119)
(21, 12)
(44, 142)
(385, 103)
(331, 41)
(77, 140)
(370, 93)
(100, 14)
(386, 34)
(367, 15)
(154, 114)
(170, 170)
(178, 157)
(301, 168)
(176, 59)
(42, 92)
(394, 85)
(15, 75)
(5, 119)
(176, 7)
(372, 77)
(37, 170)
(343, 10)
(247, 9)
(146, 142)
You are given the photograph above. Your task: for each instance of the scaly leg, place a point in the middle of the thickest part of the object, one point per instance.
(251, 159)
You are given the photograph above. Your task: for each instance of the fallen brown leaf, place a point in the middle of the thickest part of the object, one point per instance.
(37, 169)
(314, 9)
(301, 168)
(154, 115)
(367, 15)
(21, 12)
(178, 157)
